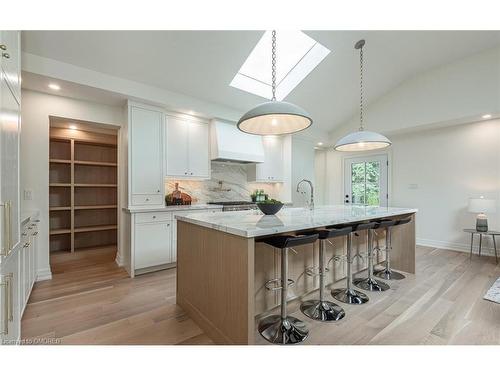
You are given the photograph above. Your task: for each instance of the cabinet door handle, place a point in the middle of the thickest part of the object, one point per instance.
(26, 244)
(6, 55)
(3, 47)
(35, 233)
(10, 307)
(154, 217)
(168, 225)
(158, 190)
(5, 315)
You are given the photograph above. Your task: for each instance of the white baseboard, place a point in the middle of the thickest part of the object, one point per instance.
(44, 274)
(462, 247)
(119, 260)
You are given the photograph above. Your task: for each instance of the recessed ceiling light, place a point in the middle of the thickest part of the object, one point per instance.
(53, 86)
(298, 55)
(73, 127)
(320, 143)
(486, 116)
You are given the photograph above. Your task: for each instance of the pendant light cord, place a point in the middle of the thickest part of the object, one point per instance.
(273, 65)
(361, 89)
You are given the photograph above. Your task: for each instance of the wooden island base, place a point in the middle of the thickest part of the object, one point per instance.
(221, 276)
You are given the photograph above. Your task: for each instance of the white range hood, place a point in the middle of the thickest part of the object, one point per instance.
(228, 144)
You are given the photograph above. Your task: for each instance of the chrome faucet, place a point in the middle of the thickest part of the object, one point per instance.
(311, 204)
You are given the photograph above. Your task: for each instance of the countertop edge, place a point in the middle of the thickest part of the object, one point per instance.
(289, 228)
(194, 207)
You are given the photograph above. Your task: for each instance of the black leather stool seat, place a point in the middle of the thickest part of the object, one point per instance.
(363, 226)
(384, 224)
(403, 221)
(282, 242)
(323, 234)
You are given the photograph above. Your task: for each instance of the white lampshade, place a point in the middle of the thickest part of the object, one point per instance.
(274, 118)
(362, 140)
(482, 206)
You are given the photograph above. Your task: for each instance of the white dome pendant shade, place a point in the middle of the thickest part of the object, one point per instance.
(362, 140)
(274, 117)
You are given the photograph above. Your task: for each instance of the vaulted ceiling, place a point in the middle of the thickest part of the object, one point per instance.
(201, 64)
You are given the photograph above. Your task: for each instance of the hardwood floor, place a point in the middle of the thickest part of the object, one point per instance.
(90, 300)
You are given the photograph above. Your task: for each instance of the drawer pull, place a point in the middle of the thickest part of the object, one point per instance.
(6, 55)
(26, 244)
(3, 47)
(35, 233)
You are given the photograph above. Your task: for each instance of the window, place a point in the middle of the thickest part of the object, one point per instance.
(297, 56)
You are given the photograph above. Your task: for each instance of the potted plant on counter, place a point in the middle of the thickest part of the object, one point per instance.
(270, 206)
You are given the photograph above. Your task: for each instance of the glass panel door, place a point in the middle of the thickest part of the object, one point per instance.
(365, 180)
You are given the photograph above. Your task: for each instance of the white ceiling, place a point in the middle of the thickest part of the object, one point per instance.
(203, 63)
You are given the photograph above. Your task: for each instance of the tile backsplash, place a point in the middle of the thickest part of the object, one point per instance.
(235, 186)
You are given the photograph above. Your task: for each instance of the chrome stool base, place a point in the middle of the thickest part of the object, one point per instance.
(389, 275)
(371, 285)
(323, 311)
(350, 296)
(283, 331)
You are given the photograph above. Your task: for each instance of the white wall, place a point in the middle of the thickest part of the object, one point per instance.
(34, 174)
(302, 166)
(320, 165)
(437, 171)
(456, 92)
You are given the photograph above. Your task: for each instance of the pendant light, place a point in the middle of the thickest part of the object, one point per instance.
(362, 140)
(274, 117)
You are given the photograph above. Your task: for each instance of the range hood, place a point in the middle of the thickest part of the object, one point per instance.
(228, 144)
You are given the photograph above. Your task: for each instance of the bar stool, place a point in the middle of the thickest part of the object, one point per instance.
(387, 273)
(322, 309)
(369, 283)
(348, 294)
(284, 329)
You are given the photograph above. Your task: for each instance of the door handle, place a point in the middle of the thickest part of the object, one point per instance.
(6, 249)
(10, 307)
(5, 315)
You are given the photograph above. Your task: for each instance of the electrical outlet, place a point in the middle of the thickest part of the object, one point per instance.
(28, 195)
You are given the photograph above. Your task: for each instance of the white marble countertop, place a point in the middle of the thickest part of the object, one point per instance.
(171, 208)
(254, 224)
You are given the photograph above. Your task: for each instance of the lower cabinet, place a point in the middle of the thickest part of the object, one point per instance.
(10, 316)
(17, 277)
(153, 244)
(154, 241)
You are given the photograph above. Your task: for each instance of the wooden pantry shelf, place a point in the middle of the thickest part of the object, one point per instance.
(95, 228)
(95, 163)
(61, 208)
(83, 180)
(60, 161)
(60, 231)
(95, 185)
(96, 207)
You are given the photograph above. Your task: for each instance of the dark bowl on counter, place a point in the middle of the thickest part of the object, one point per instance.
(270, 208)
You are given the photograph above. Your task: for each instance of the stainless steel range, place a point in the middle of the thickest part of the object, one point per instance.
(236, 205)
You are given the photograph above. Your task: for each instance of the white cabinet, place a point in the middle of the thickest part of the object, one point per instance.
(271, 170)
(10, 123)
(153, 244)
(146, 147)
(10, 319)
(10, 55)
(187, 152)
(154, 239)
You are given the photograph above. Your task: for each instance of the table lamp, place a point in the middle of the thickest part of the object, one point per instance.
(482, 206)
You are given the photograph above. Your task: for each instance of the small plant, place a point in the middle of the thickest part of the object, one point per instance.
(271, 201)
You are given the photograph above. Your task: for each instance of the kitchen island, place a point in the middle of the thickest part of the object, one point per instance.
(222, 267)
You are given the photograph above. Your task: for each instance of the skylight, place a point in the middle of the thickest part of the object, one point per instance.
(296, 56)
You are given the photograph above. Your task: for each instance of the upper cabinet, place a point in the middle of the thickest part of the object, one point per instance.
(187, 144)
(146, 153)
(10, 55)
(271, 170)
(10, 127)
